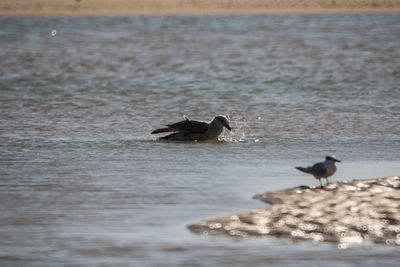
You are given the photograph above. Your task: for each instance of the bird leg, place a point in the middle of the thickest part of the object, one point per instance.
(319, 179)
(327, 181)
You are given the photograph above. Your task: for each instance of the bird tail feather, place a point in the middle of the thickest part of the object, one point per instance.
(162, 130)
(302, 169)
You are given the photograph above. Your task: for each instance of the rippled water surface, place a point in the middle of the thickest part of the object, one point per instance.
(83, 181)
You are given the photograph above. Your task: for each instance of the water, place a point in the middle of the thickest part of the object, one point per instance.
(83, 182)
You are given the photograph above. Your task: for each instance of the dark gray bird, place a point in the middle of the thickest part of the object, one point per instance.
(190, 130)
(322, 169)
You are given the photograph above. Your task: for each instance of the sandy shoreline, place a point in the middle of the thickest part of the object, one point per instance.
(196, 7)
(346, 213)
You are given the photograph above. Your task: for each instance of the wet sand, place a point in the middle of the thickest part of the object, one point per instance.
(346, 213)
(181, 7)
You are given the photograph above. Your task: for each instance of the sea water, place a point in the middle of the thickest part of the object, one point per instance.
(83, 181)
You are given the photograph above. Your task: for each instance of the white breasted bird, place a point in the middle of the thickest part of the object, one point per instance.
(190, 130)
(322, 169)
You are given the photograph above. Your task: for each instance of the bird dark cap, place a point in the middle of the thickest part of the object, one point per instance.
(331, 157)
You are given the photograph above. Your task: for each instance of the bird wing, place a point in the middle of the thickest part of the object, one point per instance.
(189, 126)
(318, 169)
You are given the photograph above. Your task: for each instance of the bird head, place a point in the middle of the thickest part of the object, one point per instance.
(332, 158)
(224, 121)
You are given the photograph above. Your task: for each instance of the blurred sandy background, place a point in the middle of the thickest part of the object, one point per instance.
(171, 7)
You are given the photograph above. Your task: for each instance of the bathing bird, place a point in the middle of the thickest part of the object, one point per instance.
(191, 130)
(322, 169)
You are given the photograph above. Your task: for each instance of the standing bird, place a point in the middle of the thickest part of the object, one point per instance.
(322, 169)
(191, 130)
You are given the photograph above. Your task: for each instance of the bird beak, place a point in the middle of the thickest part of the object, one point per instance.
(338, 160)
(228, 127)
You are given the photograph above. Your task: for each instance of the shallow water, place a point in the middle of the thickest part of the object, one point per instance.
(83, 181)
